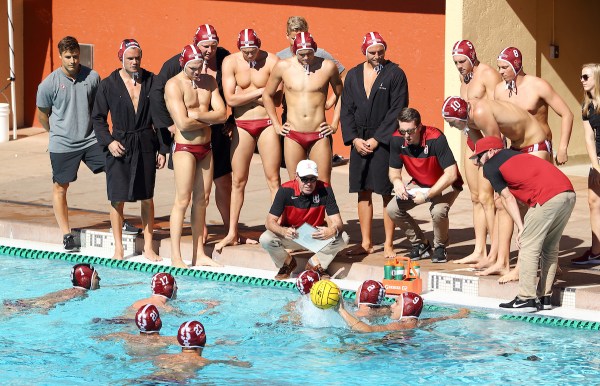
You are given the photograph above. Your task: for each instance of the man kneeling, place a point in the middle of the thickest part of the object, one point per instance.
(303, 200)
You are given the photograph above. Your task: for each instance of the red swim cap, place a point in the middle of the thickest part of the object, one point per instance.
(304, 41)
(163, 284)
(412, 305)
(82, 275)
(205, 33)
(189, 53)
(455, 107)
(191, 334)
(371, 292)
(306, 280)
(465, 48)
(125, 45)
(248, 39)
(148, 319)
(372, 39)
(512, 56)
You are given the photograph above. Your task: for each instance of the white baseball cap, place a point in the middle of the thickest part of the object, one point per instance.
(307, 167)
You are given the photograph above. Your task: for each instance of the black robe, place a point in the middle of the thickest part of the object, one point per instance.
(131, 177)
(372, 117)
(162, 119)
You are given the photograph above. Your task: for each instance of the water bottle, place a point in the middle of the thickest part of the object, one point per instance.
(417, 269)
(388, 270)
(399, 271)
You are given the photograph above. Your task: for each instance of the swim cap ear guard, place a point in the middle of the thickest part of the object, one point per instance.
(306, 280)
(412, 305)
(248, 38)
(205, 33)
(455, 108)
(372, 39)
(191, 334)
(513, 57)
(304, 41)
(188, 54)
(164, 284)
(465, 48)
(125, 45)
(82, 276)
(148, 319)
(370, 293)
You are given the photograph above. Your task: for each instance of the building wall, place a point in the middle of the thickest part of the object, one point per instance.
(531, 26)
(413, 29)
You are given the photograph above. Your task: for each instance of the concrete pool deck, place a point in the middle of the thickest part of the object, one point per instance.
(26, 214)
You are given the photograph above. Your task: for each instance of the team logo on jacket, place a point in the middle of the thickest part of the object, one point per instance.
(316, 199)
(426, 150)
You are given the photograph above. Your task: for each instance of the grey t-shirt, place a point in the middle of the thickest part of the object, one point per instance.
(71, 102)
(321, 53)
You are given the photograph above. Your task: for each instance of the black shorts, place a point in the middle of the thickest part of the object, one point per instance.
(66, 165)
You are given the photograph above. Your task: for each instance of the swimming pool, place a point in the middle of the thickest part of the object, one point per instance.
(62, 347)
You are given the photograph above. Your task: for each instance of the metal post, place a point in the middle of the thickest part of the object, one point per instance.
(11, 53)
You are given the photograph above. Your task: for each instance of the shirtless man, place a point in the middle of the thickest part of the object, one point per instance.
(534, 95)
(490, 117)
(477, 81)
(245, 75)
(180, 367)
(404, 312)
(148, 342)
(194, 103)
(164, 288)
(305, 83)
(83, 276)
(369, 300)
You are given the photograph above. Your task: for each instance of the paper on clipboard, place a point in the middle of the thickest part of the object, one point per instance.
(412, 193)
(306, 240)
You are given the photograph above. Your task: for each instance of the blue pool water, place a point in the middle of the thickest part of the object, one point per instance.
(62, 347)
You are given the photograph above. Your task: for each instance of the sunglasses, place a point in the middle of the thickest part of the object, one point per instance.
(308, 180)
(409, 131)
(478, 159)
(584, 77)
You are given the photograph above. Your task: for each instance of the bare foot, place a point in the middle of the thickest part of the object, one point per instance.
(485, 262)
(178, 262)
(473, 258)
(245, 240)
(388, 252)
(118, 255)
(511, 276)
(151, 255)
(206, 261)
(495, 269)
(234, 240)
(360, 250)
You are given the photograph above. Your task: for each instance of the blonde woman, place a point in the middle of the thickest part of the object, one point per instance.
(590, 80)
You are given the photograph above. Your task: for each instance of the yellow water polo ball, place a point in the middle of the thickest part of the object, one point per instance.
(325, 294)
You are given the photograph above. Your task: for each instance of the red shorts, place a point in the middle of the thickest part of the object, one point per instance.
(198, 151)
(306, 140)
(470, 144)
(253, 126)
(542, 146)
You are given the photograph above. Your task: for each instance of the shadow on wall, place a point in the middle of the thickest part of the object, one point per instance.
(38, 45)
(435, 7)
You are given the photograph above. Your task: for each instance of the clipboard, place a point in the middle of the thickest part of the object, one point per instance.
(305, 238)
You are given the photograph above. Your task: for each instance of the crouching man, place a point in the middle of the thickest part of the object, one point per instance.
(305, 199)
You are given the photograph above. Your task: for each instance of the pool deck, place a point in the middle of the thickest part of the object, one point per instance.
(26, 214)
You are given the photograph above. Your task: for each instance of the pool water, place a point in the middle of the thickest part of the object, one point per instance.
(62, 346)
